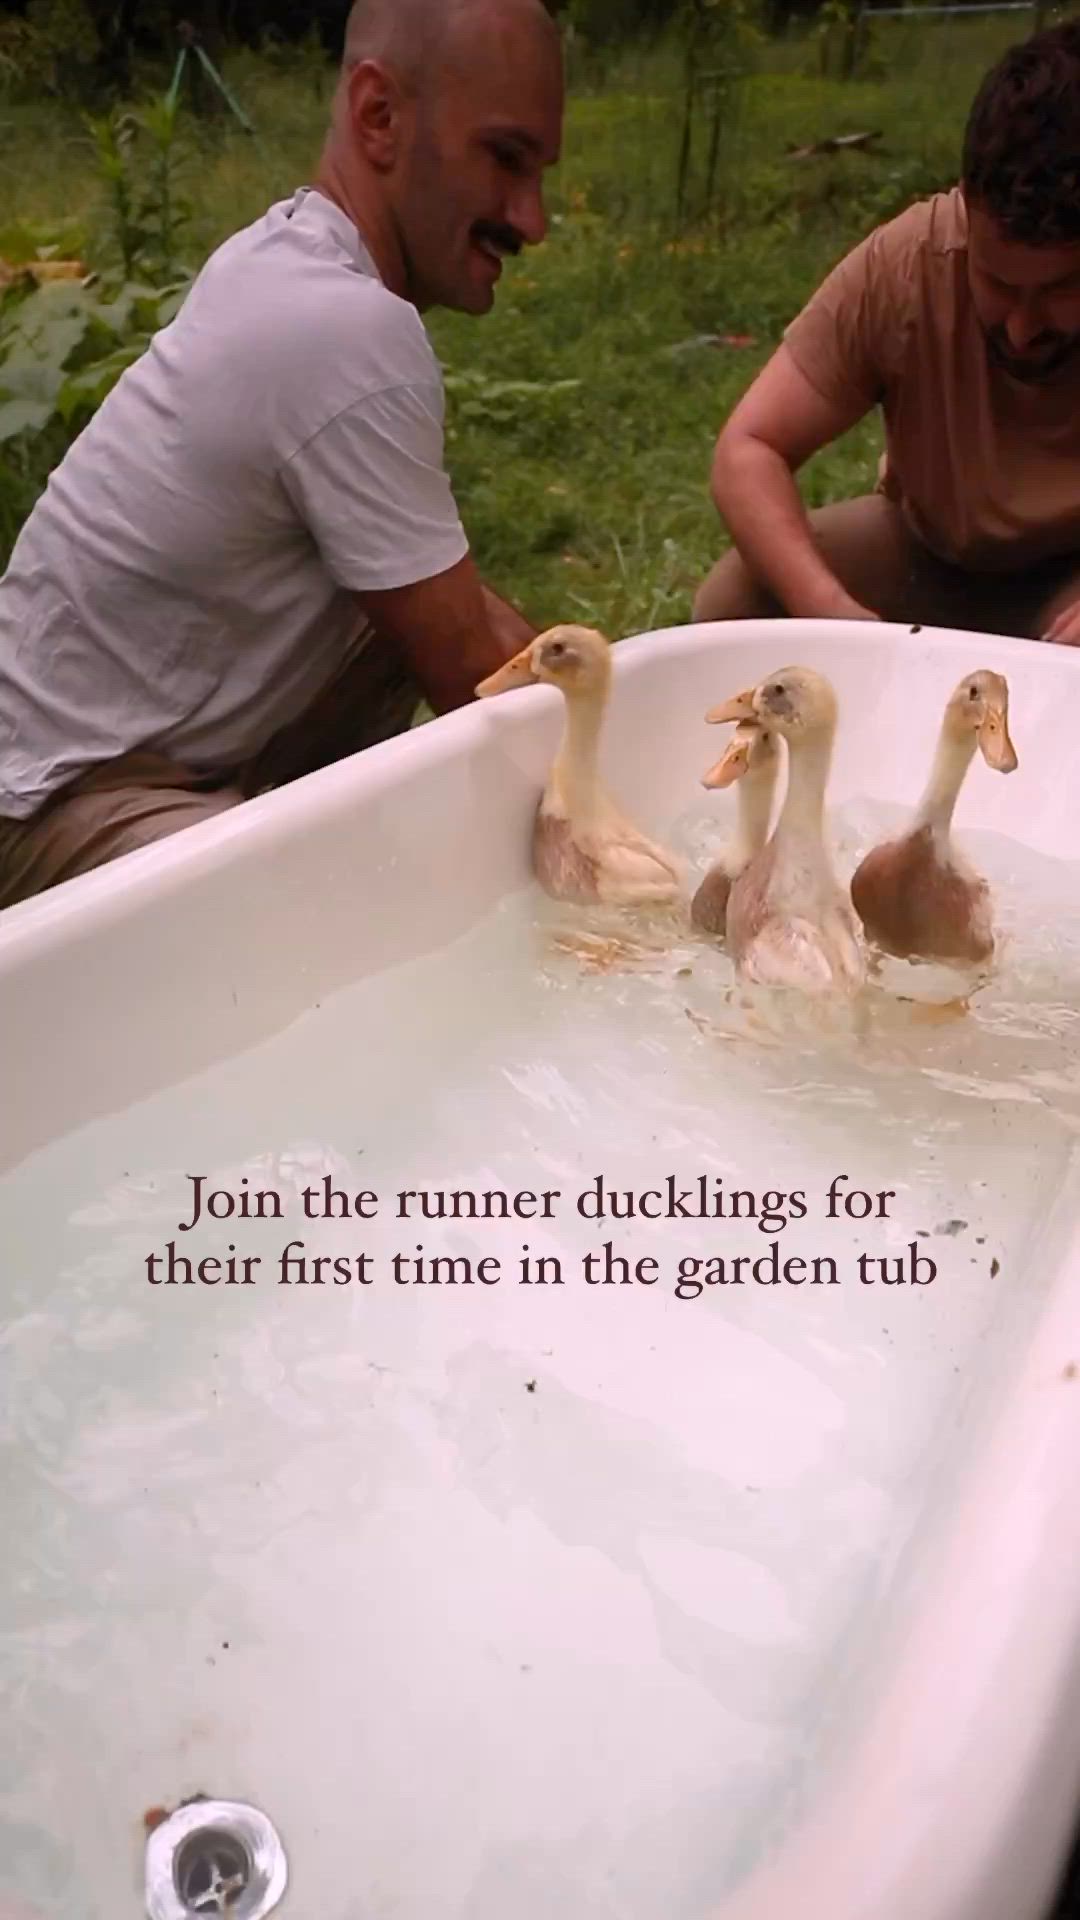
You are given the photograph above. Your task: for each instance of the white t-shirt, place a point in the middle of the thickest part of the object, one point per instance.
(185, 583)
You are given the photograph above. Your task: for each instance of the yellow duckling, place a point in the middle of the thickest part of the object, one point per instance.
(753, 759)
(789, 922)
(916, 896)
(583, 848)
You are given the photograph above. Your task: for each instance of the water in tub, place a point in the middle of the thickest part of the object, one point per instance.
(546, 1591)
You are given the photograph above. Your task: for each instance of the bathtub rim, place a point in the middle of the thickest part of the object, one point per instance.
(161, 870)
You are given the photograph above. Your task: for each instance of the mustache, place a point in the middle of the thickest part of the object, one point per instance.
(500, 235)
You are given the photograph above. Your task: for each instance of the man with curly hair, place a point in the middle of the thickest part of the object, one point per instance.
(960, 320)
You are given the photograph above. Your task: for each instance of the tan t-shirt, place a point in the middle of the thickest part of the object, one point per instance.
(985, 467)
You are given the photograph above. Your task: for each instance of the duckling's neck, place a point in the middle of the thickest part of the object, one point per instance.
(574, 774)
(951, 762)
(808, 773)
(754, 813)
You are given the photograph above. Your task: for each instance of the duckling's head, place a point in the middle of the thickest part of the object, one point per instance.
(795, 702)
(575, 659)
(753, 753)
(980, 706)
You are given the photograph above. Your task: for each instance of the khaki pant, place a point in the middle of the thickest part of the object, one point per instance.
(871, 550)
(124, 804)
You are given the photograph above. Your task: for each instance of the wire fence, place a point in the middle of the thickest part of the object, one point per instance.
(865, 17)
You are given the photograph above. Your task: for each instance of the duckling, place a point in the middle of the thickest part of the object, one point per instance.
(917, 898)
(752, 758)
(789, 922)
(584, 850)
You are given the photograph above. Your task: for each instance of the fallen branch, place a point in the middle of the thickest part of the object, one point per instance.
(837, 143)
(712, 340)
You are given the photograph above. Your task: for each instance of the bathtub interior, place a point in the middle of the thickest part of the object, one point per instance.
(494, 1602)
(185, 984)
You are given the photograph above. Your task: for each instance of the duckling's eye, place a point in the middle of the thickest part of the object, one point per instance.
(557, 648)
(777, 689)
(973, 693)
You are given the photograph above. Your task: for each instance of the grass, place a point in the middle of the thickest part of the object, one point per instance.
(586, 495)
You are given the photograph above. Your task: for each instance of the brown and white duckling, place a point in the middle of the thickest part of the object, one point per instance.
(916, 896)
(789, 921)
(584, 850)
(753, 759)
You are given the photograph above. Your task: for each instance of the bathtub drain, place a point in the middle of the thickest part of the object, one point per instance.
(214, 1858)
(212, 1871)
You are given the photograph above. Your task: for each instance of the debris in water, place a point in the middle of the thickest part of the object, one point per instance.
(599, 953)
(530, 1386)
(932, 1013)
(706, 1027)
(951, 1227)
(995, 1269)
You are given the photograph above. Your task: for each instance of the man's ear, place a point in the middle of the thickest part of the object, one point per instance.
(375, 102)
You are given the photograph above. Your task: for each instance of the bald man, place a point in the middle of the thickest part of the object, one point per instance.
(251, 563)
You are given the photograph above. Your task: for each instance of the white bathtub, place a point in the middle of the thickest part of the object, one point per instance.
(946, 1781)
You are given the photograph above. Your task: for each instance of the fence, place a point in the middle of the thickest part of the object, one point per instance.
(865, 16)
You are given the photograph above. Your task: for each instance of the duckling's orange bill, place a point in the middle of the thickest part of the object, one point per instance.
(740, 707)
(994, 743)
(733, 764)
(514, 673)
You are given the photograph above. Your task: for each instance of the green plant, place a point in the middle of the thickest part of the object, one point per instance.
(114, 135)
(529, 412)
(719, 40)
(64, 345)
(163, 208)
(140, 161)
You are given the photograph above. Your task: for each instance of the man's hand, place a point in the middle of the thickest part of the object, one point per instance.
(1065, 628)
(838, 606)
(451, 631)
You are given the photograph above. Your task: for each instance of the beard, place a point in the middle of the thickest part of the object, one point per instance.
(1044, 358)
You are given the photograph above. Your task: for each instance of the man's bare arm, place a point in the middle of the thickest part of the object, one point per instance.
(776, 426)
(451, 630)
